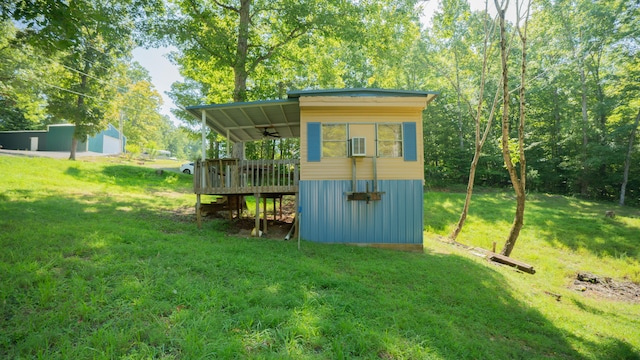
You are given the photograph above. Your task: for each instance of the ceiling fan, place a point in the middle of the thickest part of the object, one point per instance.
(264, 130)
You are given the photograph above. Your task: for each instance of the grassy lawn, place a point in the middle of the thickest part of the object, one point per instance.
(103, 260)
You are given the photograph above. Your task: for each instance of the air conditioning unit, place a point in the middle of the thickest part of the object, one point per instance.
(358, 146)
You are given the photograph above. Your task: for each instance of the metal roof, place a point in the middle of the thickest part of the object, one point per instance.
(246, 121)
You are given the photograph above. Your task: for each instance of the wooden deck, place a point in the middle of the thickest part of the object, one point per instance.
(234, 178)
(246, 177)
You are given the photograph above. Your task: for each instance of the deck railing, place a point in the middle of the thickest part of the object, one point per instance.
(234, 176)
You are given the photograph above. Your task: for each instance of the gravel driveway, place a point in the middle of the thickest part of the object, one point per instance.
(49, 154)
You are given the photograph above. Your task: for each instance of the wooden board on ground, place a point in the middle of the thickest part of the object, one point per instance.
(511, 262)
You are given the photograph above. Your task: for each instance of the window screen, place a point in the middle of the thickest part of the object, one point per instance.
(334, 140)
(390, 140)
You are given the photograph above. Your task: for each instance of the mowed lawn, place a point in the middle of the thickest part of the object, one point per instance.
(101, 259)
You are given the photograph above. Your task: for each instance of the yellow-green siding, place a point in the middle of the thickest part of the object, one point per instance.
(361, 114)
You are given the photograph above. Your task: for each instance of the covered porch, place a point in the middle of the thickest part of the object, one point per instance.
(232, 177)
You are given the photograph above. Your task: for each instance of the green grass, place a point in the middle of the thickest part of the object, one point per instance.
(102, 260)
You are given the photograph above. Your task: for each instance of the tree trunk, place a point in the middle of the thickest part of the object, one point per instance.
(627, 160)
(479, 141)
(240, 67)
(555, 135)
(460, 126)
(214, 146)
(518, 182)
(74, 145)
(77, 133)
(584, 183)
(519, 185)
(467, 200)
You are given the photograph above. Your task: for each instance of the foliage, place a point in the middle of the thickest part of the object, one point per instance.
(231, 58)
(22, 78)
(87, 38)
(137, 104)
(576, 144)
(133, 150)
(237, 51)
(68, 61)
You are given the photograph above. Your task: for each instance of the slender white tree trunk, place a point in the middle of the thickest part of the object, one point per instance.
(627, 160)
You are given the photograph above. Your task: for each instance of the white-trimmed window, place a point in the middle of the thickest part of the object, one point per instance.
(334, 140)
(390, 140)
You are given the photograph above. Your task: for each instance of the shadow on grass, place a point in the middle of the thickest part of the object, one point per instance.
(575, 223)
(83, 277)
(130, 176)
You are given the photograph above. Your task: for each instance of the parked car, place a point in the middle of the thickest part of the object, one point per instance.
(187, 168)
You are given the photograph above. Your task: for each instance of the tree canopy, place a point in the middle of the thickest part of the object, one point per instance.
(70, 61)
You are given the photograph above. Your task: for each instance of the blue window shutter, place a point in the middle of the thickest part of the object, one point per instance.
(314, 142)
(409, 140)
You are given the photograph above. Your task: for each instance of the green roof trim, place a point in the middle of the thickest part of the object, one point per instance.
(360, 92)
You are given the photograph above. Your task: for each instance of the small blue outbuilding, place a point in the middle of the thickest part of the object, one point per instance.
(58, 137)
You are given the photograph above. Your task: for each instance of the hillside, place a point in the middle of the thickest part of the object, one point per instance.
(103, 260)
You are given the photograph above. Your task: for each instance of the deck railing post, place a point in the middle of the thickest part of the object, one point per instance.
(257, 220)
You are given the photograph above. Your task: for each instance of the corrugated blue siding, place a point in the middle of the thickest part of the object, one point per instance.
(327, 215)
(111, 131)
(96, 142)
(21, 140)
(59, 138)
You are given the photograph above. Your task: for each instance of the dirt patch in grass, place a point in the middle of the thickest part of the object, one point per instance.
(606, 287)
(275, 229)
(242, 227)
(183, 214)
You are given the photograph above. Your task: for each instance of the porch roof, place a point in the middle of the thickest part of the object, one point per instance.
(246, 121)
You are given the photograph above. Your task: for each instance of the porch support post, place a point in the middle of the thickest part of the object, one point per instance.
(228, 143)
(257, 221)
(264, 213)
(296, 220)
(198, 213)
(204, 135)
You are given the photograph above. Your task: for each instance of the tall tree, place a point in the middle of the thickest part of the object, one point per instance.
(464, 44)
(91, 35)
(480, 135)
(451, 27)
(223, 43)
(244, 50)
(627, 159)
(82, 96)
(581, 38)
(137, 104)
(518, 178)
(629, 84)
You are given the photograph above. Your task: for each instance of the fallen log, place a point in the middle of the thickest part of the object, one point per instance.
(511, 262)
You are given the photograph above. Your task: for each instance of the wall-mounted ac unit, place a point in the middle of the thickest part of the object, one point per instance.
(358, 147)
